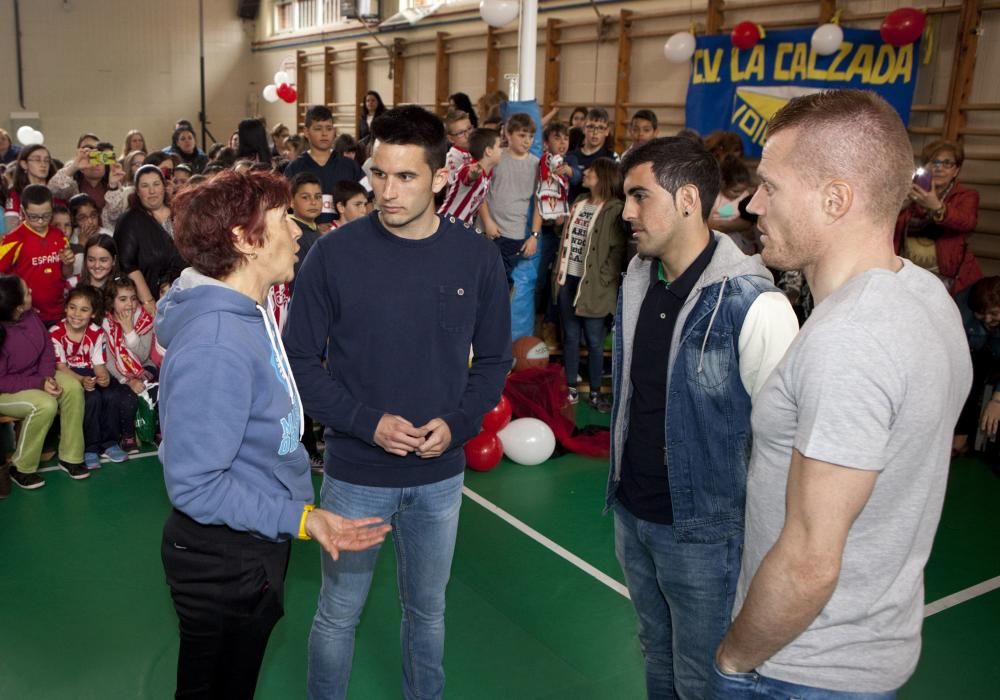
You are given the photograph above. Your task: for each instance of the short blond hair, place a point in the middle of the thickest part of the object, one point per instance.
(853, 135)
(454, 117)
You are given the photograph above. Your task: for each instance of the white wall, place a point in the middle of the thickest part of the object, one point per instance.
(108, 66)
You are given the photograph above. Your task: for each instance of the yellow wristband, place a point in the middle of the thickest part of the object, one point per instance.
(306, 510)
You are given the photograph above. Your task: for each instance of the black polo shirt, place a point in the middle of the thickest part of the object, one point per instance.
(644, 489)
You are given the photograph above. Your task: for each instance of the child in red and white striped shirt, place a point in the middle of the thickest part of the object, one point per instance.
(471, 183)
(109, 407)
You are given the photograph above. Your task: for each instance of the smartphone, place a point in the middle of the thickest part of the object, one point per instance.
(102, 157)
(922, 178)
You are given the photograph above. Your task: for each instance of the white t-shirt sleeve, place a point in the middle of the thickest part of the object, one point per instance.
(768, 330)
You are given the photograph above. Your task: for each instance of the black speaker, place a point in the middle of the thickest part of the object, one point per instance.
(248, 9)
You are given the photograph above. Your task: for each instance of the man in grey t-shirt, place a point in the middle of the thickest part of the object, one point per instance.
(852, 430)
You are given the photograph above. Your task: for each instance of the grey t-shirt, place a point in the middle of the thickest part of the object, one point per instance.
(874, 380)
(510, 193)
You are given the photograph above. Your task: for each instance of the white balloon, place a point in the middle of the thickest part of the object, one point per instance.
(270, 93)
(680, 47)
(527, 441)
(280, 77)
(33, 138)
(24, 133)
(497, 13)
(827, 39)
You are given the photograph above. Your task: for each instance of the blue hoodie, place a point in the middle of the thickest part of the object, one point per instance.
(230, 413)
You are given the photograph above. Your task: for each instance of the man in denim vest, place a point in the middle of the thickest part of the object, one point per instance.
(700, 326)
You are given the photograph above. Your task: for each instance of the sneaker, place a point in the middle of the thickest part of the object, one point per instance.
(316, 463)
(74, 469)
(26, 481)
(91, 460)
(5, 480)
(115, 454)
(130, 446)
(574, 395)
(599, 402)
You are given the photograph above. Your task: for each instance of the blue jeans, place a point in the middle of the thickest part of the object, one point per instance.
(510, 253)
(593, 330)
(745, 686)
(424, 523)
(683, 596)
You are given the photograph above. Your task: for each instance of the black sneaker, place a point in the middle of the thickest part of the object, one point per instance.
(599, 402)
(26, 481)
(75, 470)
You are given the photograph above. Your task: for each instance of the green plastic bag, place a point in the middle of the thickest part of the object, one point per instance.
(145, 418)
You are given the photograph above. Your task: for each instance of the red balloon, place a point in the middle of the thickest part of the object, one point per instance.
(903, 26)
(291, 95)
(498, 418)
(483, 452)
(745, 35)
(282, 91)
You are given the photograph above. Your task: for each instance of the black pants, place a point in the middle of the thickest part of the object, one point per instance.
(228, 591)
(510, 253)
(548, 245)
(108, 414)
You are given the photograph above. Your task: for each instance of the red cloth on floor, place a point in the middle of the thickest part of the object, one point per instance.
(542, 393)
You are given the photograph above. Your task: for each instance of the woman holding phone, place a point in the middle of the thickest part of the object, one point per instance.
(938, 217)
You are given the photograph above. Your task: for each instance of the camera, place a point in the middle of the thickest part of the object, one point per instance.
(102, 157)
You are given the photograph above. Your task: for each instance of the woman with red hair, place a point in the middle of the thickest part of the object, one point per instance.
(235, 469)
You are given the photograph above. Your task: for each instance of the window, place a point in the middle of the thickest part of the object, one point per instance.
(303, 15)
(283, 19)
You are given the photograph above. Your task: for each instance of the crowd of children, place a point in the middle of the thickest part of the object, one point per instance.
(79, 351)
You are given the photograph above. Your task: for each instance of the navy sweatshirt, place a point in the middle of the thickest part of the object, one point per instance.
(395, 319)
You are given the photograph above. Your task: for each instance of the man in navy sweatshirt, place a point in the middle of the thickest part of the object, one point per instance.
(395, 301)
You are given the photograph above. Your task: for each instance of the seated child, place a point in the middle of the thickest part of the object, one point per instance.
(128, 330)
(31, 389)
(100, 262)
(109, 408)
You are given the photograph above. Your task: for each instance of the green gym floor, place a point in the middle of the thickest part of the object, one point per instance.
(86, 612)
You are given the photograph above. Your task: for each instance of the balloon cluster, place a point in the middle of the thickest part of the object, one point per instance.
(497, 13)
(525, 440)
(899, 28)
(29, 136)
(280, 89)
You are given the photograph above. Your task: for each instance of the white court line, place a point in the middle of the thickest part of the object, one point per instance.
(103, 461)
(937, 606)
(950, 601)
(934, 608)
(547, 543)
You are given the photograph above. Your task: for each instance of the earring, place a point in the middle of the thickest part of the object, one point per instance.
(687, 213)
(253, 256)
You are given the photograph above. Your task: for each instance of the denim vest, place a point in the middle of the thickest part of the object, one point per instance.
(707, 430)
